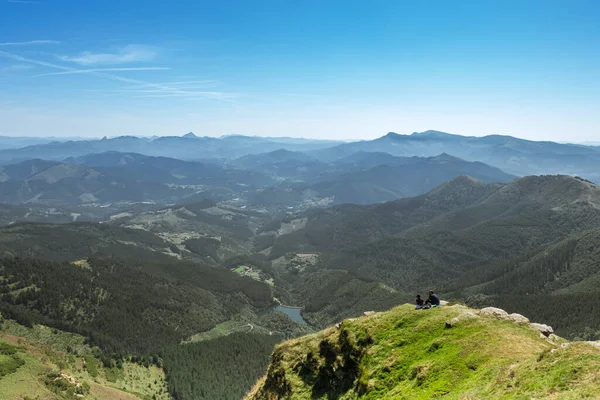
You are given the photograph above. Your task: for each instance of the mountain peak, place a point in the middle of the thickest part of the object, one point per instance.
(433, 134)
(450, 351)
(463, 190)
(550, 191)
(430, 134)
(446, 157)
(190, 135)
(393, 135)
(460, 181)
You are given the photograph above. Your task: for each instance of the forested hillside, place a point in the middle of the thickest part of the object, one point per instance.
(126, 307)
(519, 245)
(184, 285)
(367, 178)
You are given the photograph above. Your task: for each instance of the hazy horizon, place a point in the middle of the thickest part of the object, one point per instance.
(61, 138)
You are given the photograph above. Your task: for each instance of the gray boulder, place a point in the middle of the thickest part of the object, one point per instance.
(493, 312)
(462, 317)
(541, 328)
(518, 318)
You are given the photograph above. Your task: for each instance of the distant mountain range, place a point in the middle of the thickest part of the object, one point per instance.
(113, 177)
(187, 147)
(515, 156)
(364, 178)
(144, 168)
(10, 142)
(281, 179)
(512, 155)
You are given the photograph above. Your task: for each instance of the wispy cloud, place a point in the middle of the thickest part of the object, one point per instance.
(300, 95)
(26, 1)
(182, 84)
(127, 54)
(183, 87)
(216, 96)
(94, 70)
(16, 67)
(161, 89)
(29, 43)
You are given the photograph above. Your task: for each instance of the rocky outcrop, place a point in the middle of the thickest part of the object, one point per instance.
(518, 318)
(493, 312)
(457, 320)
(545, 330)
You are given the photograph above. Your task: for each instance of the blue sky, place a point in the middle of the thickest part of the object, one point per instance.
(329, 69)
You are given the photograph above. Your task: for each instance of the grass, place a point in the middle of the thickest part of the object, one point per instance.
(408, 354)
(222, 329)
(42, 335)
(37, 365)
(255, 274)
(26, 380)
(10, 362)
(91, 364)
(82, 264)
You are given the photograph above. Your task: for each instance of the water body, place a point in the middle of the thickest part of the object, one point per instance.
(293, 313)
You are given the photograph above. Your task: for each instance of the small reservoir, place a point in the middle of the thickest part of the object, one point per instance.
(292, 312)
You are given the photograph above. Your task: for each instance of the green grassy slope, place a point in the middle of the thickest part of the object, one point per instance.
(45, 363)
(408, 354)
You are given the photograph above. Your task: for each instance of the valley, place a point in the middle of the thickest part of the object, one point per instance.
(320, 200)
(196, 270)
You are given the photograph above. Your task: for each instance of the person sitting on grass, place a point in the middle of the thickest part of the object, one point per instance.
(419, 302)
(433, 299)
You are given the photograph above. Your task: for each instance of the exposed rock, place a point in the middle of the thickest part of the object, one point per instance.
(456, 320)
(543, 329)
(369, 313)
(518, 318)
(443, 303)
(493, 312)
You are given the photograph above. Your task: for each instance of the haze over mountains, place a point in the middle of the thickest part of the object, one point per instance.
(515, 156)
(188, 147)
(274, 172)
(194, 244)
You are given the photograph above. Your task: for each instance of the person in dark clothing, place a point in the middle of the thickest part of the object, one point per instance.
(433, 299)
(419, 302)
